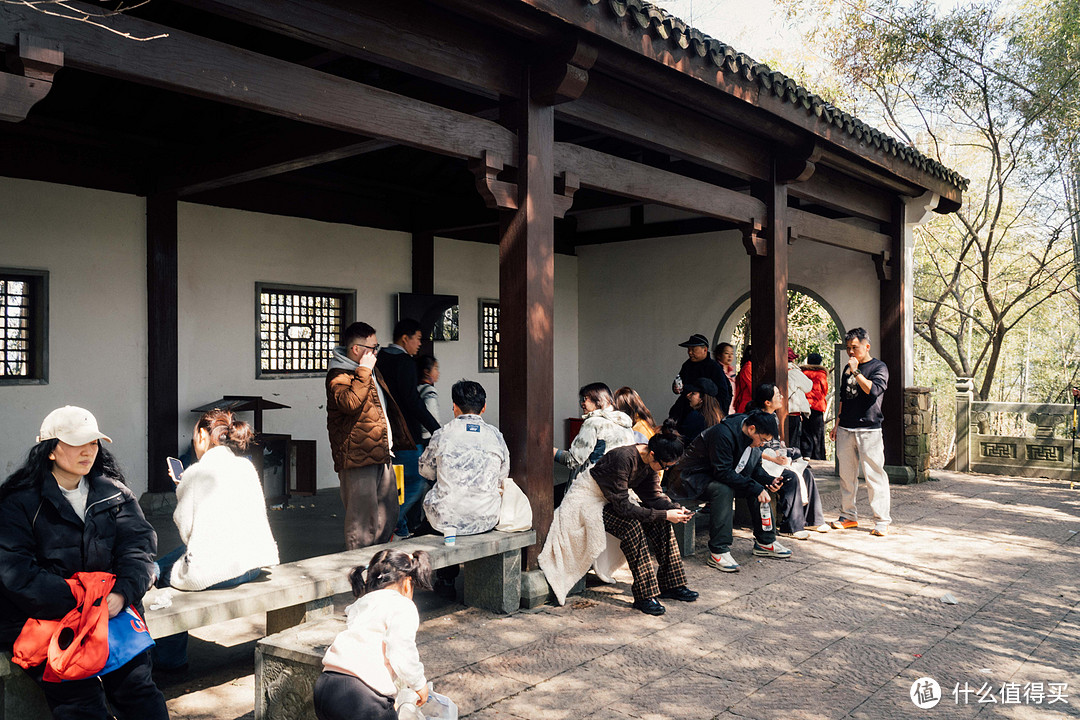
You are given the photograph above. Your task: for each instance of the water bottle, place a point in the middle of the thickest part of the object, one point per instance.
(678, 383)
(766, 517)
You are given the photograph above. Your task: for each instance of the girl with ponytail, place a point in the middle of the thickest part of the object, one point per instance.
(376, 653)
(221, 515)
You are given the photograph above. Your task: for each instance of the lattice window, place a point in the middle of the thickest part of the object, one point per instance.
(23, 334)
(489, 336)
(299, 327)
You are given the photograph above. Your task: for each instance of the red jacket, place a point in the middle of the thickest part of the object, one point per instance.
(743, 387)
(77, 645)
(819, 396)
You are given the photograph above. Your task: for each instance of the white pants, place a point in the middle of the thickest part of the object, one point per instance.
(865, 449)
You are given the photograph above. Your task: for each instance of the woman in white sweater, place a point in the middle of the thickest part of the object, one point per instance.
(375, 656)
(221, 515)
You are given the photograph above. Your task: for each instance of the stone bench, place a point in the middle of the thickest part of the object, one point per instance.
(296, 592)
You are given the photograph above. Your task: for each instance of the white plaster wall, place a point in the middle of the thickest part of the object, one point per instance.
(637, 300)
(222, 254)
(93, 245)
(471, 271)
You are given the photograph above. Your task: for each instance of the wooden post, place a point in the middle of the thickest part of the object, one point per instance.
(163, 410)
(526, 297)
(892, 340)
(768, 292)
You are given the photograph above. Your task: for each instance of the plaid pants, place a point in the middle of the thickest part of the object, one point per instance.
(641, 541)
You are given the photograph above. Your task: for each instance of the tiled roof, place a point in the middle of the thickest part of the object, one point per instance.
(649, 19)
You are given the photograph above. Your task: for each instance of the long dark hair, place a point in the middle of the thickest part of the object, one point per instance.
(711, 410)
(37, 467)
(598, 392)
(388, 567)
(628, 401)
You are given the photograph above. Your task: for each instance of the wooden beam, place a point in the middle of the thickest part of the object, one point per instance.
(642, 182)
(162, 427)
(276, 156)
(180, 63)
(768, 294)
(430, 42)
(838, 191)
(808, 226)
(526, 298)
(893, 339)
(35, 62)
(674, 228)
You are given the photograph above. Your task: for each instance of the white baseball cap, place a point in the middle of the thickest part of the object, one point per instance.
(71, 424)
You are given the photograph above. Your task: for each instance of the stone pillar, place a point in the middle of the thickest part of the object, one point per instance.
(965, 395)
(917, 431)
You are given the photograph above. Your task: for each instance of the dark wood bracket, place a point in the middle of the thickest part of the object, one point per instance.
(566, 184)
(798, 165)
(564, 79)
(754, 241)
(884, 265)
(33, 63)
(496, 193)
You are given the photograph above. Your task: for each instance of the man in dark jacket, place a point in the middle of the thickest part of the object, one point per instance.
(397, 365)
(699, 365)
(718, 468)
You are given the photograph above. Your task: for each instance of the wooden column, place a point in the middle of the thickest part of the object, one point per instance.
(423, 262)
(893, 328)
(526, 299)
(768, 290)
(163, 409)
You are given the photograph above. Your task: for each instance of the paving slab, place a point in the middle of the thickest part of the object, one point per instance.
(841, 630)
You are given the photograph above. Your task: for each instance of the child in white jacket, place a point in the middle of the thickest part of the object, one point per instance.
(376, 653)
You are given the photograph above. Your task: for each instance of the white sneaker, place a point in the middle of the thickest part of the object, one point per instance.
(776, 550)
(722, 562)
(822, 528)
(800, 535)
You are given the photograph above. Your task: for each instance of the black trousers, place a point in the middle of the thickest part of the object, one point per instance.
(722, 515)
(794, 515)
(813, 436)
(793, 430)
(346, 697)
(129, 688)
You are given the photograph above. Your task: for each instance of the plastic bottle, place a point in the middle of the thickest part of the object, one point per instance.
(678, 383)
(766, 516)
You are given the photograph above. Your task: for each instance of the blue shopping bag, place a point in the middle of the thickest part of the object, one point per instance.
(128, 637)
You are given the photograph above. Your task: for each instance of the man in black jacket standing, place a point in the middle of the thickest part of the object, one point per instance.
(397, 366)
(699, 365)
(720, 466)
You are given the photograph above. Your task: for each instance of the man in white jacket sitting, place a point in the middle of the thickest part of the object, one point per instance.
(468, 460)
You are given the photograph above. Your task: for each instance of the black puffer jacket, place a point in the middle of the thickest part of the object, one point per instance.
(43, 541)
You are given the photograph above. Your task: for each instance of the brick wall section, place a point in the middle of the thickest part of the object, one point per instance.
(917, 431)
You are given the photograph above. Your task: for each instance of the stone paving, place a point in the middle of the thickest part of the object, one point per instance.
(841, 630)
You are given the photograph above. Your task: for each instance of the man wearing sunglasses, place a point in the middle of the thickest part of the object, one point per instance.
(364, 423)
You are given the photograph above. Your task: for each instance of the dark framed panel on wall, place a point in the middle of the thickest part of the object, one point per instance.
(297, 327)
(24, 326)
(488, 350)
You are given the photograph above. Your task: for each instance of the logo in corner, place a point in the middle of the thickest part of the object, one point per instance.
(925, 693)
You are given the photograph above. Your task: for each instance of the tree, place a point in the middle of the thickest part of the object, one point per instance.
(949, 84)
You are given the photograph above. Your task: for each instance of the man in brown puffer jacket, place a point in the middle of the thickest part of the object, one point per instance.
(363, 422)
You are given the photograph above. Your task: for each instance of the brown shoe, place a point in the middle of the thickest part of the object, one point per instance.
(844, 524)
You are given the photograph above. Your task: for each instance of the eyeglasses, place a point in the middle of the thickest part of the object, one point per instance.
(372, 348)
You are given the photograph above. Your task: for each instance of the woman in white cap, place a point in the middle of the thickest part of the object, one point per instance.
(67, 510)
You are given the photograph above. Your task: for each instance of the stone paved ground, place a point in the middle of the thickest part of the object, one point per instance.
(841, 630)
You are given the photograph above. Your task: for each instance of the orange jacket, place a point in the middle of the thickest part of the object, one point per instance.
(743, 389)
(819, 396)
(77, 645)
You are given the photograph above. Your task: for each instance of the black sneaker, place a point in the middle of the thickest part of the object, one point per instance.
(650, 606)
(681, 593)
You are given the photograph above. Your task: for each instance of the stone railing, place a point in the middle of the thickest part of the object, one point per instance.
(1045, 455)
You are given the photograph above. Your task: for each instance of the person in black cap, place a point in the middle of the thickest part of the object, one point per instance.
(699, 365)
(705, 410)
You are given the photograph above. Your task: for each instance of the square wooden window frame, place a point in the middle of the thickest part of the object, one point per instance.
(39, 327)
(348, 317)
(480, 304)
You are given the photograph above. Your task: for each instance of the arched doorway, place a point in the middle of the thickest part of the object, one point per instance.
(808, 323)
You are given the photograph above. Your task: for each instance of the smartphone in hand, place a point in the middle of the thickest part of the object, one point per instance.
(176, 469)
